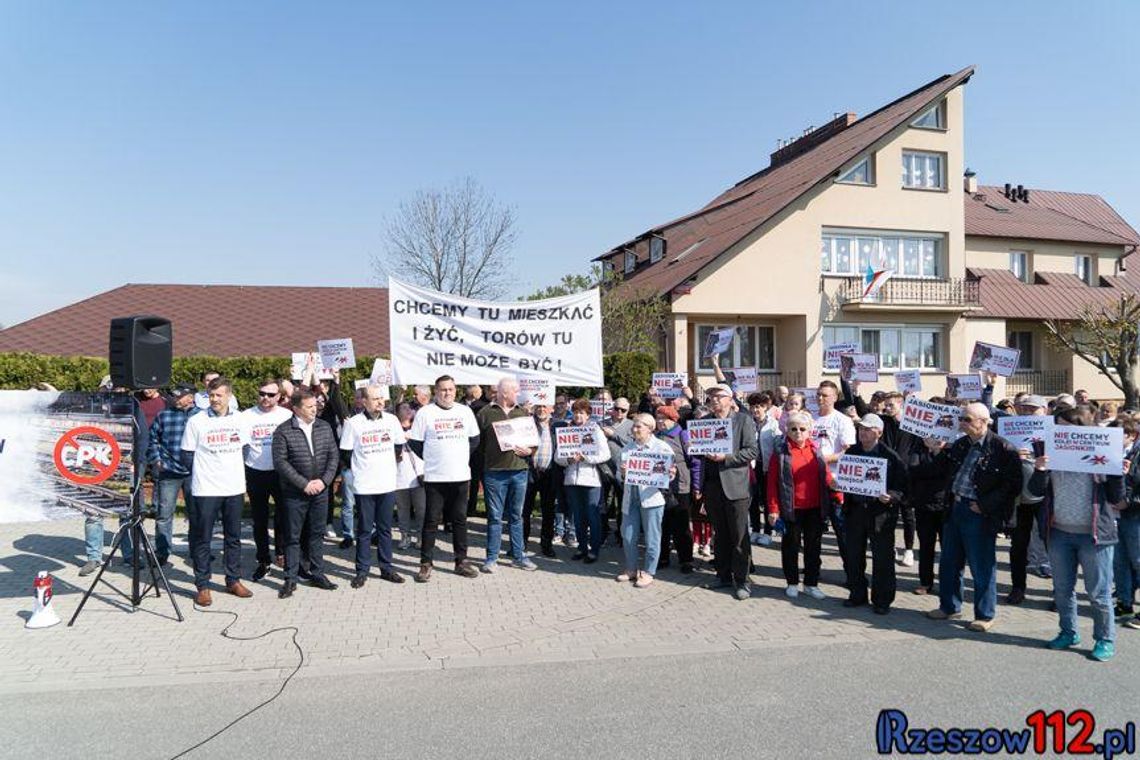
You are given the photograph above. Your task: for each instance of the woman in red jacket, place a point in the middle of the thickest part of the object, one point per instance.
(802, 492)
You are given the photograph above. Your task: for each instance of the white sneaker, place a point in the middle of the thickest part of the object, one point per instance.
(763, 539)
(330, 533)
(705, 550)
(405, 543)
(792, 592)
(487, 567)
(908, 558)
(814, 592)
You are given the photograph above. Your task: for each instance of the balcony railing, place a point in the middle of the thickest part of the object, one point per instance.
(956, 292)
(1043, 382)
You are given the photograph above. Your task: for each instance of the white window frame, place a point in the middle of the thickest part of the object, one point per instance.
(1087, 277)
(1025, 361)
(846, 177)
(1014, 257)
(656, 249)
(629, 263)
(705, 367)
(880, 240)
(939, 110)
(909, 171)
(901, 330)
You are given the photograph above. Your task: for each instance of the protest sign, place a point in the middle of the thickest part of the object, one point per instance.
(576, 439)
(811, 399)
(336, 354)
(997, 359)
(719, 341)
(743, 379)
(363, 382)
(966, 387)
(599, 409)
(300, 359)
(670, 384)
(908, 381)
(433, 334)
(863, 476)
(710, 435)
(929, 420)
(1077, 448)
(516, 431)
(1024, 431)
(859, 367)
(381, 372)
(649, 469)
(832, 353)
(538, 391)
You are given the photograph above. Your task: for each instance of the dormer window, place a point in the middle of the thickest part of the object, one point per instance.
(630, 261)
(932, 119)
(859, 174)
(656, 249)
(1083, 268)
(608, 266)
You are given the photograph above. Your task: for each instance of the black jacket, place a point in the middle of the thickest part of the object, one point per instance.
(997, 477)
(295, 464)
(896, 479)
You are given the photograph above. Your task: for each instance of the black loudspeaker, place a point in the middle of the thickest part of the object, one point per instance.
(140, 353)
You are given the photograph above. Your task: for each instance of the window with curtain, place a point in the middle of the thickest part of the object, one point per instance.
(922, 170)
(752, 346)
(905, 255)
(898, 347)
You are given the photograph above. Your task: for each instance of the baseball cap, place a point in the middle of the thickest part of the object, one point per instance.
(719, 388)
(182, 389)
(873, 421)
(1034, 401)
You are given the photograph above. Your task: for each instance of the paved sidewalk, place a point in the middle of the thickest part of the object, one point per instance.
(564, 612)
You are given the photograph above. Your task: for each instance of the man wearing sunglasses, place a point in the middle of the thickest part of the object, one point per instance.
(261, 481)
(983, 477)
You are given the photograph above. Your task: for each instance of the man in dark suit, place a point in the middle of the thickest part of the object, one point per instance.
(726, 494)
(306, 456)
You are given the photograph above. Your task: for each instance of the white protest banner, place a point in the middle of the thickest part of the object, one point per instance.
(433, 334)
(336, 354)
(300, 359)
(1077, 448)
(997, 359)
(743, 379)
(536, 390)
(908, 381)
(832, 353)
(859, 367)
(363, 382)
(649, 469)
(516, 431)
(929, 420)
(966, 387)
(1025, 430)
(381, 372)
(863, 476)
(600, 409)
(811, 399)
(670, 384)
(575, 439)
(710, 435)
(718, 341)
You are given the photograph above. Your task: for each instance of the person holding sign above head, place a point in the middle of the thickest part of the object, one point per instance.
(443, 435)
(982, 478)
(1083, 532)
(871, 517)
(642, 506)
(581, 478)
(371, 445)
(724, 484)
(504, 474)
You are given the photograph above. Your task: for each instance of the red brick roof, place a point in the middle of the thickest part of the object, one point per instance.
(705, 235)
(215, 320)
(1049, 215)
(1052, 295)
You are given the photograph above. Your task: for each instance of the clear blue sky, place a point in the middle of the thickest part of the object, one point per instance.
(265, 142)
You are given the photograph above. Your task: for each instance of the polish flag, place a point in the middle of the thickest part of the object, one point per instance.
(874, 280)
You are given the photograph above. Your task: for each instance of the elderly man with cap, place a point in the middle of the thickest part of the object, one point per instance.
(165, 457)
(726, 493)
(1029, 507)
(874, 518)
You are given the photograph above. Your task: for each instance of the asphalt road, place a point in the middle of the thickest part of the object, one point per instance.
(783, 702)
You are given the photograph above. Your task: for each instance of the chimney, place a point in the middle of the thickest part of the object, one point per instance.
(971, 182)
(797, 147)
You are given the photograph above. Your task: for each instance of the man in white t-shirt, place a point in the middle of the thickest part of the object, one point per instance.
(443, 434)
(212, 449)
(261, 480)
(833, 433)
(371, 445)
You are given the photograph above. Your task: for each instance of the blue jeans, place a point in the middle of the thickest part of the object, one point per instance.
(967, 538)
(1126, 558)
(347, 506)
(504, 491)
(585, 504)
(638, 519)
(166, 495)
(93, 538)
(1068, 551)
(375, 513)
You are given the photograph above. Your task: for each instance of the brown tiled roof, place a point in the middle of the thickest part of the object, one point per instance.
(738, 211)
(215, 320)
(1049, 215)
(1052, 295)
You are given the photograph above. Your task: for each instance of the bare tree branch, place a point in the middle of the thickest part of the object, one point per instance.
(1108, 339)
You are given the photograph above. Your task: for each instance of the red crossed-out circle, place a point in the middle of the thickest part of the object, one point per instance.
(103, 472)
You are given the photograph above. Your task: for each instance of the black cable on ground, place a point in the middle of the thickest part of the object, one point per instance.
(226, 635)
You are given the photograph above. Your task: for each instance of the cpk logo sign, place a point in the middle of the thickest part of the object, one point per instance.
(87, 455)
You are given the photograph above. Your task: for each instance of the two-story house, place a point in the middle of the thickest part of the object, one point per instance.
(887, 191)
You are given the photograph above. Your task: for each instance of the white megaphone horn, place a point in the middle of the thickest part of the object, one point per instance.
(43, 616)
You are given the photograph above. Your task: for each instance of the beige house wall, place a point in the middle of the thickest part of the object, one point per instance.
(1044, 256)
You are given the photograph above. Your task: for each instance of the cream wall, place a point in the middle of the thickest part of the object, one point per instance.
(1045, 256)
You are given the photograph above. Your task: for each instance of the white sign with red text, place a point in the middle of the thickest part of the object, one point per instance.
(711, 435)
(862, 476)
